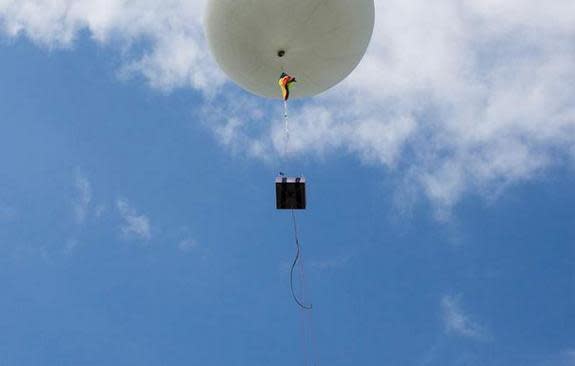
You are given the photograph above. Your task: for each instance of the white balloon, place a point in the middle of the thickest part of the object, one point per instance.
(319, 42)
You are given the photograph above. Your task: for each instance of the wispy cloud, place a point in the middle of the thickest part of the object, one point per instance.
(329, 263)
(459, 323)
(187, 245)
(454, 97)
(562, 358)
(133, 223)
(569, 357)
(82, 199)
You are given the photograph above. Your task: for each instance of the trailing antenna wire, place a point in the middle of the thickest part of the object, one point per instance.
(286, 128)
(296, 259)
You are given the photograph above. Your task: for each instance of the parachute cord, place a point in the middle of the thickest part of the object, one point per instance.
(286, 129)
(296, 259)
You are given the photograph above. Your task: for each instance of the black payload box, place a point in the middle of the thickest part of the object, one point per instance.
(290, 193)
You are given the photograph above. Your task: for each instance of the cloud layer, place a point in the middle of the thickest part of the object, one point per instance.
(453, 96)
(133, 224)
(174, 52)
(457, 322)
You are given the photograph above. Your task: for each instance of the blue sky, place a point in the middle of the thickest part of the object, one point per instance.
(137, 221)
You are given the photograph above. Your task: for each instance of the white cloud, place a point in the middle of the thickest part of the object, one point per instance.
(83, 198)
(174, 55)
(457, 322)
(454, 97)
(133, 223)
(330, 263)
(187, 245)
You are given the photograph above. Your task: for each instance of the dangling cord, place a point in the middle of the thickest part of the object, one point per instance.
(286, 129)
(296, 259)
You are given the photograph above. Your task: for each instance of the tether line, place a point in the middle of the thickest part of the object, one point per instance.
(295, 261)
(286, 129)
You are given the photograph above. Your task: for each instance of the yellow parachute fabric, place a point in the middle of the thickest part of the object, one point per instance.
(284, 82)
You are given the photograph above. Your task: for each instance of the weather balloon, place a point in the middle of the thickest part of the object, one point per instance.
(319, 42)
